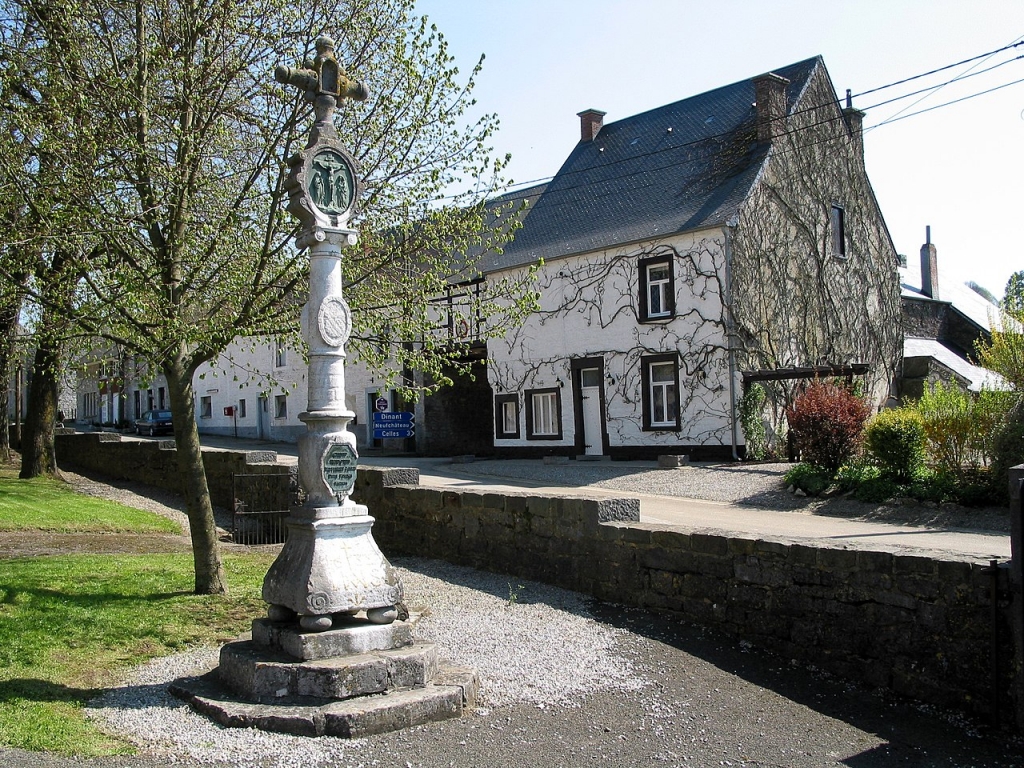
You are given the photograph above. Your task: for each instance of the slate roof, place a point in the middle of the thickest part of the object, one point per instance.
(676, 168)
(977, 377)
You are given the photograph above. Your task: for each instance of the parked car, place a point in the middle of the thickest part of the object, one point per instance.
(153, 423)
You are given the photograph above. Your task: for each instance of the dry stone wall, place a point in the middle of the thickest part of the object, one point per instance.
(917, 626)
(154, 462)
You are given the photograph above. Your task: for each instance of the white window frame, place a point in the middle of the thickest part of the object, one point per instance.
(545, 415)
(206, 407)
(660, 374)
(509, 417)
(658, 290)
(280, 406)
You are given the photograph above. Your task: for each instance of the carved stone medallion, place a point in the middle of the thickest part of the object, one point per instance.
(330, 182)
(334, 320)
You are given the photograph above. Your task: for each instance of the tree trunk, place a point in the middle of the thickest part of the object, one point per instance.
(37, 449)
(8, 339)
(210, 576)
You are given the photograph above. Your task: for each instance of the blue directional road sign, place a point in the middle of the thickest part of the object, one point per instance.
(393, 424)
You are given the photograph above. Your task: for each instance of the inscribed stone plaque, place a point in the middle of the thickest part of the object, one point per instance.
(340, 468)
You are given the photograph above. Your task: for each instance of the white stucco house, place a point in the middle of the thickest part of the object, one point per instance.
(687, 254)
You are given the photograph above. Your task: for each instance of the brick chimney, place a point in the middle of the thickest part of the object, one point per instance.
(855, 124)
(929, 267)
(591, 121)
(770, 95)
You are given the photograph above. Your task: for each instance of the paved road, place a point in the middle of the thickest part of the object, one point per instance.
(700, 515)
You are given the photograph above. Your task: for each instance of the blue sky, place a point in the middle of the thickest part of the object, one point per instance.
(958, 168)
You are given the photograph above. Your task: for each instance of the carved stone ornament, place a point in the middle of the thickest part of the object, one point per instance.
(334, 321)
(323, 185)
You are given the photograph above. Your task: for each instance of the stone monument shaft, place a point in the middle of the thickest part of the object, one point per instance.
(330, 565)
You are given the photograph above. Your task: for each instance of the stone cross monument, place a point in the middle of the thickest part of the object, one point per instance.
(333, 657)
(330, 565)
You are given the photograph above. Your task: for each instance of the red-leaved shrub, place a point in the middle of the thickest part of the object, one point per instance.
(827, 422)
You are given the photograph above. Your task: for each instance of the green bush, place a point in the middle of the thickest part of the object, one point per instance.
(826, 422)
(960, 426)
(752, 421)
(809, 478)
(1007, 451)
(856, 473)
(876, 490)
(895, 439)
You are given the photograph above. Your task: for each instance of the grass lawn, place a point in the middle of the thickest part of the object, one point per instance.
(44, 504)
(70, 624)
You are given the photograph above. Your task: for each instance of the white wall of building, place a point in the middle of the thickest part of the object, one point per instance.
(590, 305)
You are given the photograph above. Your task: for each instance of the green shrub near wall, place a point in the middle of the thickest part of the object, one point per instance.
(895, 439)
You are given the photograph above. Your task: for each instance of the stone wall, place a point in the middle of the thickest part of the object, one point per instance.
(154, 462)
(913, 625)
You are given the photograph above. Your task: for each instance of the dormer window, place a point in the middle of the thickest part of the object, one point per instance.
(657, 289)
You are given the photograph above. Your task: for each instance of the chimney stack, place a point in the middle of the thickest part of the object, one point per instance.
(770, 95)
(591, 121)
(855, 124)
(929, 267)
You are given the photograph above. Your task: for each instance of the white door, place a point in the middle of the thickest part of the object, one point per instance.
(590, 389)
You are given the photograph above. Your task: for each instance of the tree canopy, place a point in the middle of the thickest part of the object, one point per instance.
(153, 142)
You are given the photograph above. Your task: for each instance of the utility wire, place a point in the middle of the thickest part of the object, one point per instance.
(941, 69)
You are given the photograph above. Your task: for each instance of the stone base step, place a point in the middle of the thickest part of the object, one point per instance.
(451, 692)
(261, 674)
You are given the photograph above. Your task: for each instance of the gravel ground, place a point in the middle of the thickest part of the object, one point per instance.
(569, 682)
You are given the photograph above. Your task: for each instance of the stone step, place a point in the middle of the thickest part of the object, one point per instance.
(257, 673)
(351, 635)
(453, 690)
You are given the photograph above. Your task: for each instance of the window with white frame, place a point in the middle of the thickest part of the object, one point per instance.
(241, 408)
(280, 354)
(657, 289)
(281, 406)
(543, 414)
(205, 407)
(660, 377)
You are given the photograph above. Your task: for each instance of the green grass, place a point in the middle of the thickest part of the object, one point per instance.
(44, 504)
(70, 624)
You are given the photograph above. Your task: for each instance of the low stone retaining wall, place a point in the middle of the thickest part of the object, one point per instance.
(155, 462)
(917, 626)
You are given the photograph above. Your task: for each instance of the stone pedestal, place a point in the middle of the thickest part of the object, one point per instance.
(354, 680)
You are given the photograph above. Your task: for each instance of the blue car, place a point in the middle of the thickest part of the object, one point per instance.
(154, 423)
